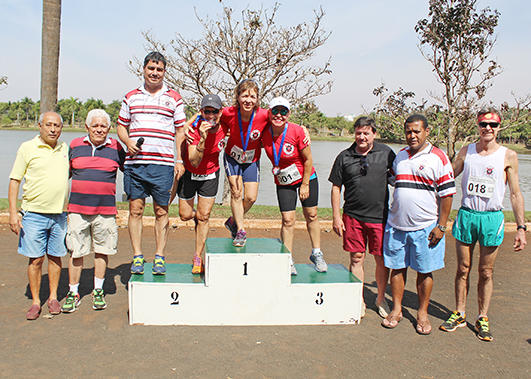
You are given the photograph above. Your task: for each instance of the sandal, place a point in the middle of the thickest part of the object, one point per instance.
(390, 322)
(423, 327)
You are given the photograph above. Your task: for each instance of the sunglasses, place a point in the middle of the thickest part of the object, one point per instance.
(208, 111)
(364, 165)
(283, 111)
(491, 124)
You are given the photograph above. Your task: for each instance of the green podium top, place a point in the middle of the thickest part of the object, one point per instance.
(253, 246)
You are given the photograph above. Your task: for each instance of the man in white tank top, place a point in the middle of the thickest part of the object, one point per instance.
(487, 167)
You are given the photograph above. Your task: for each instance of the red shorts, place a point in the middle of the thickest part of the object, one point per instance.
(358, 233)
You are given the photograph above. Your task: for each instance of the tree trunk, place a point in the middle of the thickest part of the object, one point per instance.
(51, 37)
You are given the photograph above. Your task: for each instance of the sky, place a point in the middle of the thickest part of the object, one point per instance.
(372, 42)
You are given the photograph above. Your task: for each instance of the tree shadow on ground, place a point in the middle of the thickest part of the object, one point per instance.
(86, 282)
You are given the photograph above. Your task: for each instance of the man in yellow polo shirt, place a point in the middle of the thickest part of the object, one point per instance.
(41, 223)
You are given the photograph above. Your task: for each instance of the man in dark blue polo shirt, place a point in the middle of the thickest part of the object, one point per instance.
(363, 170)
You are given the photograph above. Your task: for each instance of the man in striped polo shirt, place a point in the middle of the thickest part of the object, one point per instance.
(94, 161)
(150, 124)
(414, 234)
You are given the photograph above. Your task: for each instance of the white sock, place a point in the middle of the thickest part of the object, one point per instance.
(316, 250)
(74, 288)
(98, 283)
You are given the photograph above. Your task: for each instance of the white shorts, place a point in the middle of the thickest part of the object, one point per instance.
(91, 233)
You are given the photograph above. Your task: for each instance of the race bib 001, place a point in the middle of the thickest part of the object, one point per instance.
(289, 175)
(238, 155)
(480, 186)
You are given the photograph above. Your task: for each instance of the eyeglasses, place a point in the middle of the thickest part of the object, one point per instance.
(364, 165)
(491, 124)
(208, 111)
(283, 111)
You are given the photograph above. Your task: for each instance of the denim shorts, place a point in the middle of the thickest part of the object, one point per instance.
(41, 234)
(250, 172)
(143, 180)
(403, 249)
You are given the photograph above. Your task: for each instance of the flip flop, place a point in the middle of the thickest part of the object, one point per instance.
(424, 327)
(390, 322)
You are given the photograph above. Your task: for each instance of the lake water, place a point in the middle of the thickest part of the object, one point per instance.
(324, 154)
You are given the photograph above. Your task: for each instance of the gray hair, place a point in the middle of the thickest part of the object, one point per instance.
(489, 109)
(98, 113)
(41, 117)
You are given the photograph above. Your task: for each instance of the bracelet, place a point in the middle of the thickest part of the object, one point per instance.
(179, 161)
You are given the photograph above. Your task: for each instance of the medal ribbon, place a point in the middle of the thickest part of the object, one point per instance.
(249, 129)
(276, 155)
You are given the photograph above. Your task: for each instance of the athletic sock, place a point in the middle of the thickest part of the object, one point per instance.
(74, 288)
(98, 283)
(316, 250)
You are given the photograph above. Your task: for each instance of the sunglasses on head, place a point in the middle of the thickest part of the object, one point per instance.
(208, 111)
(283, 111)
(491, 124)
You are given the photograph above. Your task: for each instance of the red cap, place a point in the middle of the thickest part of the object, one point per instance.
(489, 117)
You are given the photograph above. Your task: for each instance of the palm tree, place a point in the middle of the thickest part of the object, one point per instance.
(73, 105)
(51, 37)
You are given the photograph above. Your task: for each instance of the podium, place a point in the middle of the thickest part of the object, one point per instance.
(250, 285)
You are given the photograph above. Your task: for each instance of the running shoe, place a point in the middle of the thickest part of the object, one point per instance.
(231, 225)
(240, 239)
(482, 327)
(159, 268)
(197, 268)
(319, 262)
(98, 299)
(137, 267)
(455, 321)
(71, 303)
(293, 269)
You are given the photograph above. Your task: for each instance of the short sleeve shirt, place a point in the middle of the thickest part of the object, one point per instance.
(420, 180)
(46, 173)
(291, 150)
(366, 196)
(214, 144)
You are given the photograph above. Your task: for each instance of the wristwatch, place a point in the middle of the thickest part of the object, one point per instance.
(522, 227)
(442, 228)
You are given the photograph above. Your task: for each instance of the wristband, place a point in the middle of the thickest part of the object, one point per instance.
(179, 161)
(522, 227)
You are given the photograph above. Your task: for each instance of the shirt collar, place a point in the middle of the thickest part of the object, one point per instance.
(39, 143)
(160, 92)
(424, 151)
(87, 139)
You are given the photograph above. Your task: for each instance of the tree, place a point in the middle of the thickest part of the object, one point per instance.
(254, 47)
(458, 40)
(51, 37)
(3, 82)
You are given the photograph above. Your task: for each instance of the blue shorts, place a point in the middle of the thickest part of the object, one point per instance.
(250, 172)
(410, 249)
(143, 180)
(471, 226)
(41, 234)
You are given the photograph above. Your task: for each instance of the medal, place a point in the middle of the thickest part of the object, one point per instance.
(249, 130)
(244, 157)
(277, 154)
(275, 170)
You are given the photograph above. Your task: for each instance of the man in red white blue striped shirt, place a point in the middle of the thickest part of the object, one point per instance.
(150, 124)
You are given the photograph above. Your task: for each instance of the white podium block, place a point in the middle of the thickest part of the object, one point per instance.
(246, 286)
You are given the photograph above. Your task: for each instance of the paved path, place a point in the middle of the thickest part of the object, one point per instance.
(102, 344)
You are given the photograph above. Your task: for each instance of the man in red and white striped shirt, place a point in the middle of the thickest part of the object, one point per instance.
(150, 124)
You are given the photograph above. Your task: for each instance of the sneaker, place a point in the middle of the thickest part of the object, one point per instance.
(71, 303)
(197, 268)
(98, 299)
(240, 239)
(159, 268)
(455, 321)
(137, 267)
(482, 327)
(231, 225)
(319, 262)
(293, 269)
